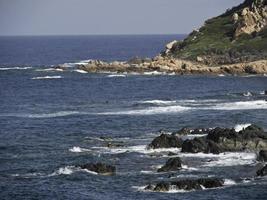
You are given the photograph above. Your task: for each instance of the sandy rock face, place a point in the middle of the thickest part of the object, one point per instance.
(251, 19)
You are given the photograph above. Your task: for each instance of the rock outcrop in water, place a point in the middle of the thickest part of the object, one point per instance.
(173, 164)
(262, 171)
(166, 141)
(99, 168)
(187, 185)
(227, 140)
(262, 156)
(217, 141)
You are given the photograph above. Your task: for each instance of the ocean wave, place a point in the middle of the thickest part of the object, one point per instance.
(154, 73)
(78, 150)
(149, 111)
(229, 182)
(68, 170)
(232, 159)
(157, 102)
(49, 69)
(138, 149)
(240, 127)
(241, 105)
(46, 77)
(14, 68)
(80, 71)
(116, 75)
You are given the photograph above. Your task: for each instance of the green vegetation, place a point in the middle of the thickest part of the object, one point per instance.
(216, 39)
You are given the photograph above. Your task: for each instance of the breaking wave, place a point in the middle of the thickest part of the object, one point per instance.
(14, 68)
(241, 105)
(149, 111)
(46, 77)
(240, 127)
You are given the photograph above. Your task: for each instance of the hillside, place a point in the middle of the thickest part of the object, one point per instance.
(238, 35)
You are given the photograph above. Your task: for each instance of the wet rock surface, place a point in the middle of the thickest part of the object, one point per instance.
(166, 141)
(100, 168)
(187, 185)
(173, 164)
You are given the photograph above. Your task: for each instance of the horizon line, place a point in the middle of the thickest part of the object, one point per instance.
(126, 34)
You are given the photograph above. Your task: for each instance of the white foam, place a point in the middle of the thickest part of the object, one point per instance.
(240, 127)
(49, 69)
(138, 149)
(232, 159)
(247, 94)
(14, 68)
(46, 77)
(154, 73)
(157, 102)
(52, 115)
(80, 71)
(149, 111)
(64, 171)
(262, 92)
(241, 105)
(228, 182)
(68, 170)
(116, 75)
(78, 150)
(221, 75)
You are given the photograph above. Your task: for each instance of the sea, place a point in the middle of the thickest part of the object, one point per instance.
(51, 121)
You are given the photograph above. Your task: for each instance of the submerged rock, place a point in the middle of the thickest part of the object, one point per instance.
(187, 184)
(262, 155)
(173, 164)
(262, 171)
(99, 168)
(166, 141)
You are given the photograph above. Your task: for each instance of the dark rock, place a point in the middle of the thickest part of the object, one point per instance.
(219, 134)
(195, 145)
(173, 164)
(162, 187)
(166, 141)
(265, 92)
(183, 131)
(252, 132)
(262, 155)
(262, 171)
(149, 187)
(213, 147)
(188, 184)
(211, 183)
(99, 168)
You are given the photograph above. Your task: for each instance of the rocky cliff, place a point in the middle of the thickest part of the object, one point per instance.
(238, 35)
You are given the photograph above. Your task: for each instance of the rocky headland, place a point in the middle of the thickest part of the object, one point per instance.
(233, 43)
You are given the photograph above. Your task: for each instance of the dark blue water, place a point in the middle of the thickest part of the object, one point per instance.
(51, 121)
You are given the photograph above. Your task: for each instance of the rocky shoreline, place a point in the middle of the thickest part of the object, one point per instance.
(166, 65)
(208, 141)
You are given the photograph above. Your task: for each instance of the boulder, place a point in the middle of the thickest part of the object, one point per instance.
(170, 45)
(195, 145)
(214, 148)
(262, 171)
(173, 164)
(183, 131)
(166, 141)
(99, 168)
(187, 184)
(262, 156)
(135, 61)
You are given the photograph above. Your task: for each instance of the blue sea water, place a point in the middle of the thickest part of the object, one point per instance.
(52, 121)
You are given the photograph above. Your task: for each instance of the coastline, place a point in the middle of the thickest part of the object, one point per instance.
(174, 66)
